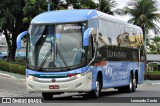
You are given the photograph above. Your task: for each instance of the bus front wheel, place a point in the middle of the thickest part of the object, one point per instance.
(96, 93)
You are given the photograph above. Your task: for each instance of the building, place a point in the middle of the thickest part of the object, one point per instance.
(3, 41)
(4, 48)
(153, 62)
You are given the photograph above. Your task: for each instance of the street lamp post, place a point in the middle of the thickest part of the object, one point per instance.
(49, 4)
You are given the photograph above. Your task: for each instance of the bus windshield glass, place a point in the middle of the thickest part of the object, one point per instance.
(55, 46)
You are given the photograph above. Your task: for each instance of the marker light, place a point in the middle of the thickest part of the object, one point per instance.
(70, 75)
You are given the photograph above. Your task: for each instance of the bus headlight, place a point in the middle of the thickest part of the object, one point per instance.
(79, 75)
(88, 74)
(30, 77)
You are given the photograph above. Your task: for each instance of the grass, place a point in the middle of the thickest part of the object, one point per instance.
(14, 67)
(153, 72)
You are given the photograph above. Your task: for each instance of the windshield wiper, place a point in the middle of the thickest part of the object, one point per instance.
(45, 59)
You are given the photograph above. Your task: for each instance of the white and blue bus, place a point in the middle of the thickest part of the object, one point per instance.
(82, 51)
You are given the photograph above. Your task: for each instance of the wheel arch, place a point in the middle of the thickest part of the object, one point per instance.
(100, 75)
(131, 72)
(136, 76)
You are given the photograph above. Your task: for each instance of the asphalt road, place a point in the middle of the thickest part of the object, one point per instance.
(12, 87)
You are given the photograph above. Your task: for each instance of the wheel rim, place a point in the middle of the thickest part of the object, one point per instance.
(134, 83)
(97, 88)
(130, 84)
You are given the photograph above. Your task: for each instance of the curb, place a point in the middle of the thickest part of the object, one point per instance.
(12, 75)
(8, 75)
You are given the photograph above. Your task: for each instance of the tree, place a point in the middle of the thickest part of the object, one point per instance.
(39, 6)
(82, 4)
(106, 6)
(33, 5)
(154, 46)
(11, 16)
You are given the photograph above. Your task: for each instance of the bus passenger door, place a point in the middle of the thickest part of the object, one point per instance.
(91, 57)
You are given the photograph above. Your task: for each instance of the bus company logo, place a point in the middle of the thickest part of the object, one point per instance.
(6, 100)
(72, 27)
(108, 71)
(53, 80)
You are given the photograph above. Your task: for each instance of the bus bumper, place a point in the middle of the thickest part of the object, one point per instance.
(77, 83)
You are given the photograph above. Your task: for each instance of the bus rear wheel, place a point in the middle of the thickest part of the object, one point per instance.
(47, 96)
(132, 84)
(131, 87)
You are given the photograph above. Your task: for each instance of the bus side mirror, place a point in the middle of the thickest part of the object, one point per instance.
(20, 36)
(86, 35)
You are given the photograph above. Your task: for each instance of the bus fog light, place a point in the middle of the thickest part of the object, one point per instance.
(31, 86)
(78, 85)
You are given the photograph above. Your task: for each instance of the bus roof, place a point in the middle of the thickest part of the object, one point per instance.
(64, 16)
(75, 15)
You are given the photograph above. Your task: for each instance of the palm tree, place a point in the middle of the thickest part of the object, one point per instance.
(106, 6)
(154, 45)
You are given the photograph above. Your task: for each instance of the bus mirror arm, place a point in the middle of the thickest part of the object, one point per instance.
(19, 38)
(86, 35)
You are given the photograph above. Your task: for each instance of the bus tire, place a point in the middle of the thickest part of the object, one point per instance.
(134, 84)
(47, 96)
(130, 88)
(136, 77)
(96, 93)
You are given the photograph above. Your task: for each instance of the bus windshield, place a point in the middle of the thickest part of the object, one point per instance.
(55, 46)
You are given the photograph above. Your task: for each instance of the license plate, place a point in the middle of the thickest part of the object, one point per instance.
(53, 86)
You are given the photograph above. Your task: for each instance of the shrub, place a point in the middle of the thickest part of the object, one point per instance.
(10, 67)
(155, 75)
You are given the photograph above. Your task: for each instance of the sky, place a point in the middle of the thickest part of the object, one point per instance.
(121, 4)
